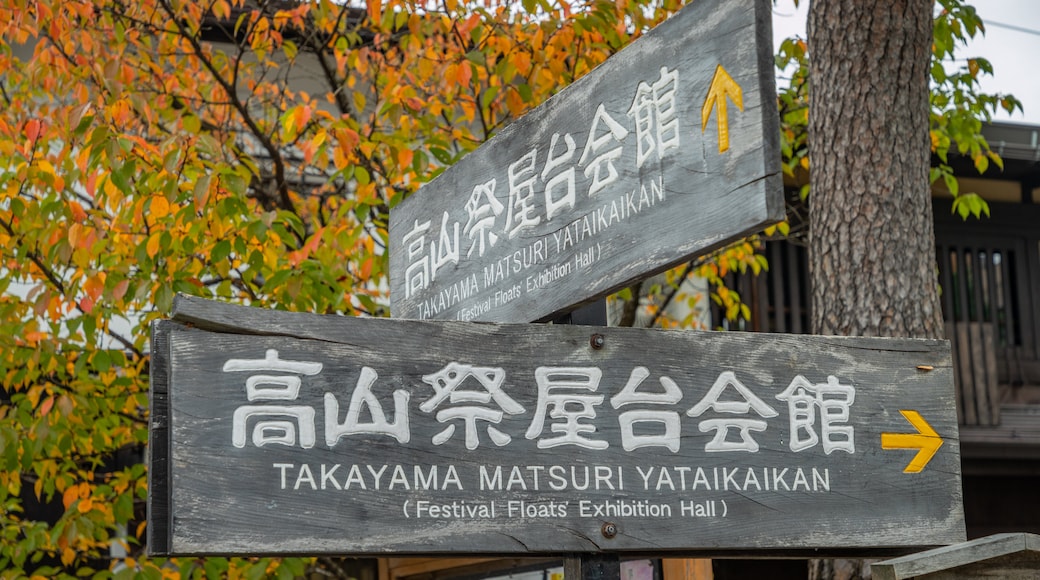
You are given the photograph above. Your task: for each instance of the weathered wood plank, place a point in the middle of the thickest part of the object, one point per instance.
(159, 493)
(978, 371)
(531, 438)
(1010, 556)
(965, 376)
(667, 150)
(989, 359)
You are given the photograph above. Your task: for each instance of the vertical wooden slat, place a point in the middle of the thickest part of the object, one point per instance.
(1010, 351)
(1030, 303)
(761, 305)
(964, 372)
(779, 308)
(990, 360)
(946, 279)
(1022, 293)
(961, 318)
(978, 372)
(962, 286)
(686, 569)
(983, 347)
(978, 277)
(993, 289)
(795, 288)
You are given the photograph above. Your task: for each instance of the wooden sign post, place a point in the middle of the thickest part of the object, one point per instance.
(282, 433)
(667, 150)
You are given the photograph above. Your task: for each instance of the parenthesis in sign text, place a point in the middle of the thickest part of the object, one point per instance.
(405, 508)
(725, 508)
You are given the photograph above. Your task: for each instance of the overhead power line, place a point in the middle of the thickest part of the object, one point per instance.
(1012, 27)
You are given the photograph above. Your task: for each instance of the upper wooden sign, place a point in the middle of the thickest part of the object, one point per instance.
(281, 433)
(667, 150)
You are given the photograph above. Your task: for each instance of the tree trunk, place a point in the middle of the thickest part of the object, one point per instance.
(872, 246)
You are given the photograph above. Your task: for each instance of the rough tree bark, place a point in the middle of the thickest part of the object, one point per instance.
(872, 247)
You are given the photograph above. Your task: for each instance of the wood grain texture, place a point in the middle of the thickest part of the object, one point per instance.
(249, 499)
(1009, 556)
(682, 197)
(159, 517)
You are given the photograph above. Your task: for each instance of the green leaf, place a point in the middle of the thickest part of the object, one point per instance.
(951, 183)
(234, 183)
(164, 298)
(362, 176)
(488, 96)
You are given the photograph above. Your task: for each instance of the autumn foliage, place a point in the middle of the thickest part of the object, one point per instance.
(237, 150)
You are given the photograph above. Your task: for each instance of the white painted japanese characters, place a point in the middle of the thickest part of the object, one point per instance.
(281, 432)
(566, 408)
(666, 150)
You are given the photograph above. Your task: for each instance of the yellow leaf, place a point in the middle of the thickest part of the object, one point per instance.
(159, 207)
(153, 245)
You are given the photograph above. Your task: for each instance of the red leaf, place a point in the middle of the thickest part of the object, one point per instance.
(32, 129)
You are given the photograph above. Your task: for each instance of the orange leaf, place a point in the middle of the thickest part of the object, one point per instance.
(469, 24)
(78, 213)
(75, 234)
(375, 8)
(120, 290)
(312, 244)
(465, 73)
(45, 408)
(95, 285)
(404, 157)
(32, 129)
(71, 494)
(301, 116)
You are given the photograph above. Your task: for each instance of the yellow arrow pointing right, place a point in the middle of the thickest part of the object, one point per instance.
(722, 86)
(926, 441)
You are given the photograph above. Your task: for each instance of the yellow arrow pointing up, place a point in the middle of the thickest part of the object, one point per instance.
(926, 441)
(722, 86)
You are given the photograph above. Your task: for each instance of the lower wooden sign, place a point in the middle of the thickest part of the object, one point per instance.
(282, 433)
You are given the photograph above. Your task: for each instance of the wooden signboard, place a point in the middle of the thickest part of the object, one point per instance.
(667, 150)
(282, 433)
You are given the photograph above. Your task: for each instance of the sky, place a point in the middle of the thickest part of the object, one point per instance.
(1011, 44)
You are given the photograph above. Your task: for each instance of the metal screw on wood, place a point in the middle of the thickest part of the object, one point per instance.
(597, 341)
(609, 530)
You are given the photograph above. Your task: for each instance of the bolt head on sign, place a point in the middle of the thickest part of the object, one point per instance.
(667, 150)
